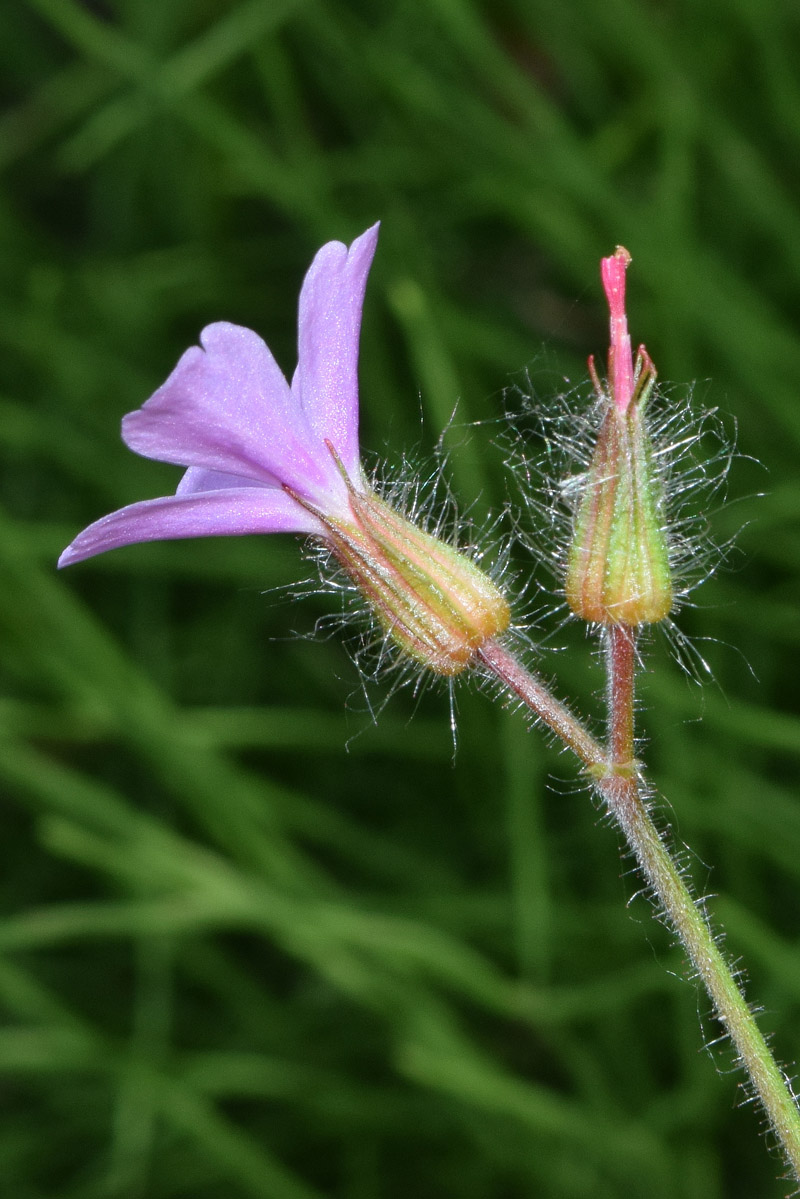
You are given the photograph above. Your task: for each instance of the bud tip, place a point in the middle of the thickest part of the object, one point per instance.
(620, 356)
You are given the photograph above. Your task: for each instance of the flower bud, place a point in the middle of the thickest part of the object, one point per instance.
(618, 568)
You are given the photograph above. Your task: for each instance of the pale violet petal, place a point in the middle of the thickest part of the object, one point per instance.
(224, 513)
(228, 408)
(197, 478)
(329, 324)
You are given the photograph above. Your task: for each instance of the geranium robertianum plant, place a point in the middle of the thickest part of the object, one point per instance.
(263, 455)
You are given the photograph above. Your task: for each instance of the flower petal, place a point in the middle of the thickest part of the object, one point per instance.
(228, 408)
(228, 512)
(329, 324)
(197, 478)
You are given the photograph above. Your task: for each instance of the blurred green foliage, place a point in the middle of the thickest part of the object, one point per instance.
(237, 960)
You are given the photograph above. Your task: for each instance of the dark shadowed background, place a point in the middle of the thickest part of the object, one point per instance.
(254, 944)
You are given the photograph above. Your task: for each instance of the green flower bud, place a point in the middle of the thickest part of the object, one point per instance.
(618, 567)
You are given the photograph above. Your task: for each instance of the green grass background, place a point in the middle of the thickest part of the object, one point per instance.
(255, 945)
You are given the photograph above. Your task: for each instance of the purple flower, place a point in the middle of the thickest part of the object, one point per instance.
(262, 456)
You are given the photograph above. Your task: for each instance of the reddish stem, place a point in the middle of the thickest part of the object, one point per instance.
(621, 655)
(535, 695)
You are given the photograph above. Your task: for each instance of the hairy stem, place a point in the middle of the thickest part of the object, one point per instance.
(536, 696)
(616, 775)
(621, 673)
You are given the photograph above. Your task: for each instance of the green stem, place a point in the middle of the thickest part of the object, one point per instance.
(616, 775)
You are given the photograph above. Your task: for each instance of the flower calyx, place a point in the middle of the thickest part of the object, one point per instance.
(432, 600)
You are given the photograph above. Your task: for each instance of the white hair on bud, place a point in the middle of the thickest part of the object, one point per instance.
(549, 447)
